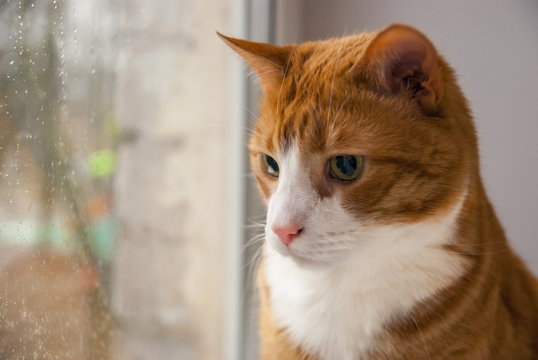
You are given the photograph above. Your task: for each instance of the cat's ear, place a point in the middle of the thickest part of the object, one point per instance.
(268, 61)
(404, 58)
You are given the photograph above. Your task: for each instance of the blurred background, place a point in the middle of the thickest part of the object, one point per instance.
(128, 218)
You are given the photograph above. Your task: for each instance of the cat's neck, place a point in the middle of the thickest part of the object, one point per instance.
(400, 266)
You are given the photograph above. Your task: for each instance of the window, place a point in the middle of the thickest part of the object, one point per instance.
(121, 169)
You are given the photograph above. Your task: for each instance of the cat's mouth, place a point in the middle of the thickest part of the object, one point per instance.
(311, 261)
(305, 251)
(296, 256)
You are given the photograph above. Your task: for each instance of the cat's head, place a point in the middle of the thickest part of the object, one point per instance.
(358, 139)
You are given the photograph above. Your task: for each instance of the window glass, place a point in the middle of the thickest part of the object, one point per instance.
(114, 208)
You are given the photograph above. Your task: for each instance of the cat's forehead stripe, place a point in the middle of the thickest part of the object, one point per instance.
(306, 129)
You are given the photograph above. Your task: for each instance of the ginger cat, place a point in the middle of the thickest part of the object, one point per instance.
(380, 240)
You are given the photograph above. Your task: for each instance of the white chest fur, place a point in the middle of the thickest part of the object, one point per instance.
(339, 311)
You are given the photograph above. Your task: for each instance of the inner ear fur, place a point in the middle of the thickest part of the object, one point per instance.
(403, 58)
(270, 62)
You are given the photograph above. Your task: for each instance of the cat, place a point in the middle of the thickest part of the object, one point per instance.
(47, 303)
(380, 239)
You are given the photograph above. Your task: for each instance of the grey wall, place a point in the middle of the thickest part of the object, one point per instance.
(493, 45)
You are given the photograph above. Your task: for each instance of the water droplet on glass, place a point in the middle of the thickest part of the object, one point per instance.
(11, 63)
(92, 71)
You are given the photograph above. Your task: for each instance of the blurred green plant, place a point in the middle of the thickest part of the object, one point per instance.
(35, 114)
(102, 163)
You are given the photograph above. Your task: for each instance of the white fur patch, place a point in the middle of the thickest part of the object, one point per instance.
(341, 281)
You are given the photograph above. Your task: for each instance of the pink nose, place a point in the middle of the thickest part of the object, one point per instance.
(287, 233)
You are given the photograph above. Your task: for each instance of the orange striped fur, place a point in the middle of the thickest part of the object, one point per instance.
(391, 98)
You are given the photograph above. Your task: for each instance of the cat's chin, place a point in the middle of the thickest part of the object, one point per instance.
(301, 261)
(307, 263)
(298, 259)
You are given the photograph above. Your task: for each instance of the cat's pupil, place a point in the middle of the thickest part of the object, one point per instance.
(346, 164)
(346, 167)
(272, 166)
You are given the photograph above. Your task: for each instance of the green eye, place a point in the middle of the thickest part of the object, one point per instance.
(346, 167)
(270, 165)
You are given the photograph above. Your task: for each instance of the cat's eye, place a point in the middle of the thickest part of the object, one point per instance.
(270, 165)
(346, 167)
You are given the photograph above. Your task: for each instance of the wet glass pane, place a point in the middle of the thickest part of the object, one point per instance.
(108, 148)
(58, 136)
